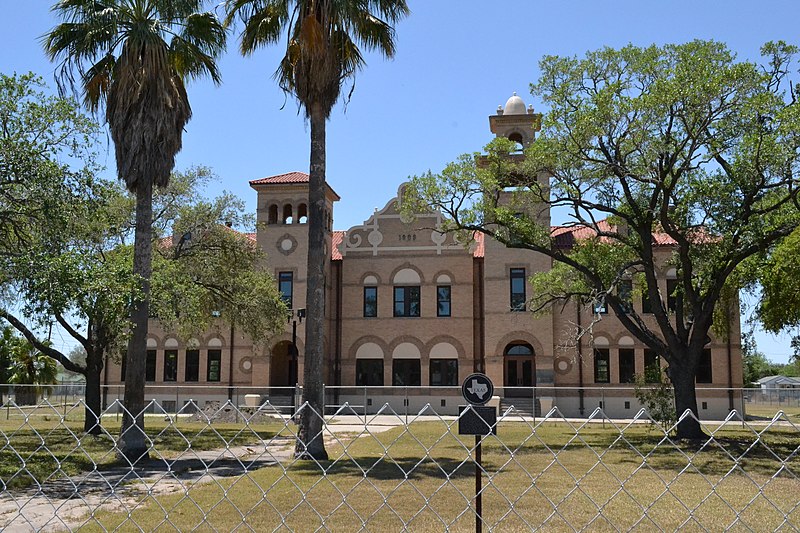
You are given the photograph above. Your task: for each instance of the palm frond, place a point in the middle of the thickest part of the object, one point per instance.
(194, 51)
(96, 81)
(132, 57)
(323, 39)
(263, 21)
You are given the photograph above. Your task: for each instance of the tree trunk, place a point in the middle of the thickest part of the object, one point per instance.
(92, 408)
(132, 441)
(25, 395)
(310, 444)
(683, 377)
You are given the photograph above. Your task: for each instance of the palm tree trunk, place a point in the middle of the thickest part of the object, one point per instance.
(132, 441)
(310, 444)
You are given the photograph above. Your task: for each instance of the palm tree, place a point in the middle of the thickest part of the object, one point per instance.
(133, 57)
(30, 368)
(322, 51)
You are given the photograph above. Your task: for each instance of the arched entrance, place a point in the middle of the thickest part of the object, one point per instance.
(283, 368)
(519, 369)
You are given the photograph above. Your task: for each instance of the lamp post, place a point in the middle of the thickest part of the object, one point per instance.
(295, 316)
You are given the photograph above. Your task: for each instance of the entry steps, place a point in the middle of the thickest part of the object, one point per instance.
(522, 406)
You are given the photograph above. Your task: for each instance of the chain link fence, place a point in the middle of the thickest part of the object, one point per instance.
(230, 467)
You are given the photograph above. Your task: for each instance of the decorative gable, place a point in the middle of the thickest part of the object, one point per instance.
(389, 231)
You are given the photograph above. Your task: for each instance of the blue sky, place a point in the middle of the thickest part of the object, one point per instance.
(456, 61)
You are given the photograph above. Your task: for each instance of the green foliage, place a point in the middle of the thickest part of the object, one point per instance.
(7, 341)
(779, 275)
(46, 158)
(654, 391)
(207, 271)
(82, 276)
(29, 366)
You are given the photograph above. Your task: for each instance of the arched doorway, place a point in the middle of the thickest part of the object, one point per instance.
(519, 369)
(283, 368)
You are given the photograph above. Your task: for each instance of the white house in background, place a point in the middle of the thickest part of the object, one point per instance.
(779, 382)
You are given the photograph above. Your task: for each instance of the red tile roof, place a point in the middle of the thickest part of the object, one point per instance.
(565, 236)
(289, 177)
(336, 239)
(166, 242)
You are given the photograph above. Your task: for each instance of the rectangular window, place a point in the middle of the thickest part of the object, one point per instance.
(652, 367)
(406, 301)
(170, 365)
(369, 372)
(627, 365)
(647, 306)
(214, 365)
(370, 301)
(192, 371)
(150, 366)
(673, 298)
(517, 286)
(405, 373)
(601, 371)
(443, 372)
(443, 300)
(286, 287)
(624, 293)
(704, 367)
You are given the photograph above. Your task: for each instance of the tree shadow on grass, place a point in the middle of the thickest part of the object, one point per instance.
(719, 457)
(394, 468)
(65, 459)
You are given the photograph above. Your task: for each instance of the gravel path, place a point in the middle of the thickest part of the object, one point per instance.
(68, 503)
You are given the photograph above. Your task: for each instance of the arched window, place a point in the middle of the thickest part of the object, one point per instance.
(517, 138)
(272, 217)
(406, 365)
(370, 296)
(287, 214)
(214, 360)
(443, 365)
(519, 349)
(302, 214)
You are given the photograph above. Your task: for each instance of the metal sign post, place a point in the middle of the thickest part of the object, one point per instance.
(475, 419)
(478, 486)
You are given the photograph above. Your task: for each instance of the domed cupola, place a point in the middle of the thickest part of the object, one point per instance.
(514, 106)
(516, 122)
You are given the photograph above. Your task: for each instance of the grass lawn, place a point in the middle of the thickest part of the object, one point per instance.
(421, 478)
(767, 411)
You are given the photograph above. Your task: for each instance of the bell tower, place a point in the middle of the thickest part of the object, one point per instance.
(519, 123)
(515, 122)
(519, 347)
(282, 232)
